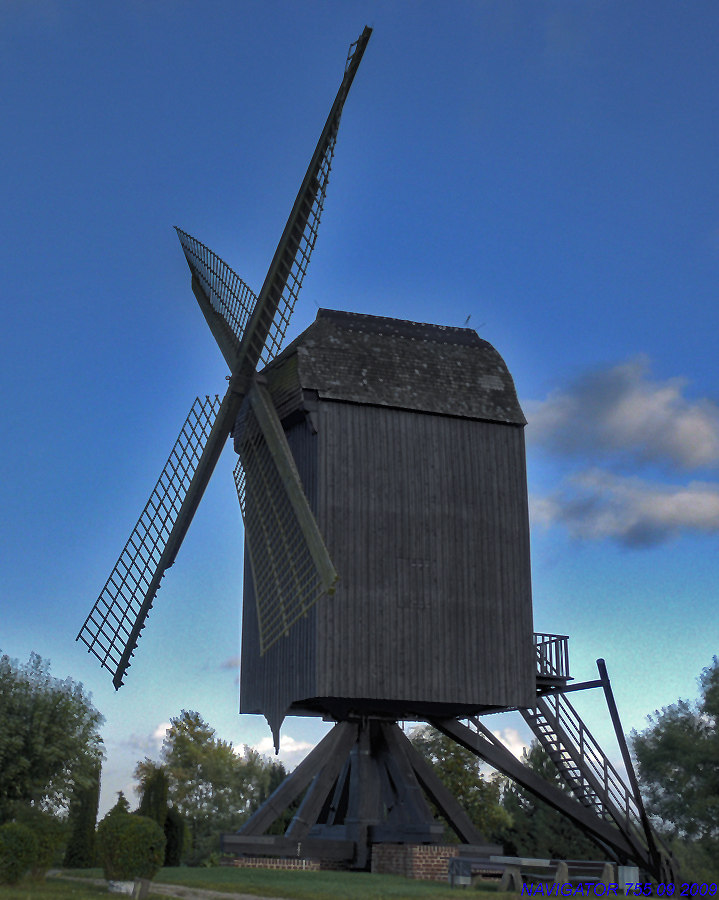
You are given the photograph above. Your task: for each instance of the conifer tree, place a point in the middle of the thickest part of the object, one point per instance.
(153, 802)
(80, 850)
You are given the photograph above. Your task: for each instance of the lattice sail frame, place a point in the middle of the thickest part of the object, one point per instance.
(300, 252)
(287, 578)
(109, 625)
(230, 297)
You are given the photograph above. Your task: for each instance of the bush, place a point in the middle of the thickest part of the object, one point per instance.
(18, 852)
(49, 834)
(130, 846)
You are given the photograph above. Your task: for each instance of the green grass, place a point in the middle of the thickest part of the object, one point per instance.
(299, 885)
(53, 889)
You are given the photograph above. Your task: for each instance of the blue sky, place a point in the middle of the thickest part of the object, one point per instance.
(547, 169)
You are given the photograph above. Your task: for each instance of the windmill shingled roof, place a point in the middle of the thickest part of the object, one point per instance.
(408, 365)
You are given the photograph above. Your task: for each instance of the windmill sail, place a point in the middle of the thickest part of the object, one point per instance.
(289, 264)
(224, 298)
(113, 626)
(291, 567)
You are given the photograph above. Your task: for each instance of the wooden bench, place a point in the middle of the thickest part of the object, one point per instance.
(465, 871)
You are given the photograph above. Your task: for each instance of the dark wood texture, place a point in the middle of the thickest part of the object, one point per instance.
(438, 793)
(500, 758)
(323, 782)
(425, 518)
(272, 845)
(342, 736)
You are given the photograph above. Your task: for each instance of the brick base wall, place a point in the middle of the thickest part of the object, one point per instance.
(425, 862)
(273, 862)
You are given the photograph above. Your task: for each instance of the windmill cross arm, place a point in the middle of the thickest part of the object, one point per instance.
(282, 455)
(226, 341)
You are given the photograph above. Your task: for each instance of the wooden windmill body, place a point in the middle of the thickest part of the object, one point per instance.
(382, 483)
(409, 442)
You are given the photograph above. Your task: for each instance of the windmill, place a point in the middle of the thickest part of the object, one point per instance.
(382, 483)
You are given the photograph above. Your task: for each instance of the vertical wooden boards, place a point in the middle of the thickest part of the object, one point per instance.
(426, 519)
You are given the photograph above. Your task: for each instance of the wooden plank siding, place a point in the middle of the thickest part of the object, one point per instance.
(425, 518)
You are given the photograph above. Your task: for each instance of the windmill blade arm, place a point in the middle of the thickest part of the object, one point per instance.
(225, 300)
(276, 441)
(291, 567)
(113, 627)
(266, 330)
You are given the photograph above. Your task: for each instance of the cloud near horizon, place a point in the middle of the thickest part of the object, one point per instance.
(622, 411)
(595, 504)
(612, 423)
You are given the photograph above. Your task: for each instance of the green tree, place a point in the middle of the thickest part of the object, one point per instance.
(209, 784)
(153, 800)
(678, 762)
(18, 852)
(678, 770)
(49, 832)
(130, 846)
(537, 829)
(122, 807)
(459, 769)
(82, 819)
(49, 739)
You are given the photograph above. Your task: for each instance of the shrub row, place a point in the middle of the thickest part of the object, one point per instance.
(28, 845)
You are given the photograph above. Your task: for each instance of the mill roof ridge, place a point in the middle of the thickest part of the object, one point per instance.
(375, 360)
(403, 328)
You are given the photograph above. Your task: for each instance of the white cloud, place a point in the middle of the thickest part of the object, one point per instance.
(623, 411)
(512, 740)
(147, 744)
(595, 504)
(292, 752)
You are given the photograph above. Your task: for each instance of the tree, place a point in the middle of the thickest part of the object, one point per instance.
(153, 802)
(18, 852)
(678, 762)
(459, 769)
(49, 739)
(82, 819)
(678, 770)
(175, 837)
(537, 829)
(154, 787)
(209, 784)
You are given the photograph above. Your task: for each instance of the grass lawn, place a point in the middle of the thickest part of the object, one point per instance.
(299, 885)
(53, 889)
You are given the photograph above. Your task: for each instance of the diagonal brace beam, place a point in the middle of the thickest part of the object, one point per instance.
(434, 787)
(297, 781)
(500, 758)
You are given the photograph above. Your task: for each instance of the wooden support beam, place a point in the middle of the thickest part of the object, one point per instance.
(408, 797)
(336, 812)
(296, 782)
(500, 758)
(438, 793)
(322, 784)
(276, 845)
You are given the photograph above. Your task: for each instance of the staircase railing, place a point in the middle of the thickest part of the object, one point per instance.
(579, 758)
(552, 654)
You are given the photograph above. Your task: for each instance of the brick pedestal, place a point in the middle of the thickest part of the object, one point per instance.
(425, 862)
